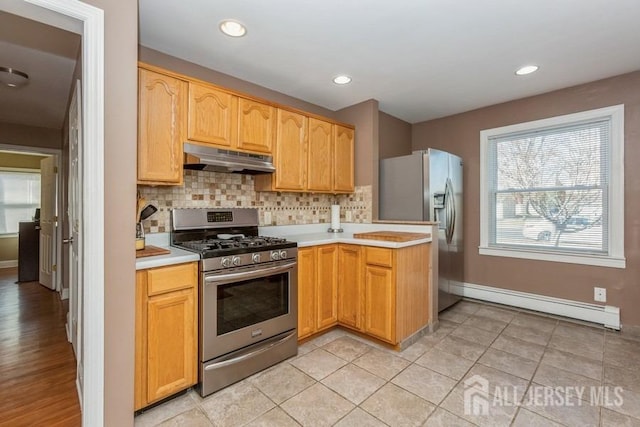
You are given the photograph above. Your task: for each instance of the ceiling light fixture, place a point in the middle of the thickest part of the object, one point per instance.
(342, 79)
(13, 78)
(527, 69)
(233, 28)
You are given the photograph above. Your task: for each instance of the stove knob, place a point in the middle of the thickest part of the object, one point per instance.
(226, 262)
(275, 255)
(255, 258)
(283, 254)
(236, 260)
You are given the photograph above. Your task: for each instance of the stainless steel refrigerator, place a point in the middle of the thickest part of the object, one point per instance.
(427, 186)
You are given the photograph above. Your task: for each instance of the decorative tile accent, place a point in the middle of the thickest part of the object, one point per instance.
(203, 189)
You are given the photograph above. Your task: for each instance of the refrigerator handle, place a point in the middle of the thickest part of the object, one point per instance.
(450, 211)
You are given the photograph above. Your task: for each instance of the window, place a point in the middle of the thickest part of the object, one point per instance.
(19, 198)
(553, 190)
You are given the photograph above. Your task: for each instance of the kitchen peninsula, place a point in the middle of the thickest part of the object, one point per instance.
(381, 289)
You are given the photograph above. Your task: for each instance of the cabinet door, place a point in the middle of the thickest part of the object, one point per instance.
(327, 296)
(162, 109)
(213, 116)
(320, 175)
(350, 295)
(290, 154)
(172, 344)
(140, 362)
(380, 303)
(256, 127)
(306, 292)
(343, 172)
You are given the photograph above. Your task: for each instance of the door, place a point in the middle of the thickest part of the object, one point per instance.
(256, 126)
(380, 302)
(48, 221)
(213, 116)
(290, 155)
(320, 157)
(74, 240)
(350, 294)
(343, 155)
(327, 297)
(306, 291)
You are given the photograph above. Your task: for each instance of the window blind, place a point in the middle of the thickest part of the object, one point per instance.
(549, 188)
(19, 198)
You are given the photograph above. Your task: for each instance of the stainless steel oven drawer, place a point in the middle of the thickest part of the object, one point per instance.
(235, 366)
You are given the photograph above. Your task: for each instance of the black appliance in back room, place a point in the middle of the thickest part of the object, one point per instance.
(29, 249)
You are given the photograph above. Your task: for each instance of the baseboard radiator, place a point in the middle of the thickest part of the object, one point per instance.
(606, 315)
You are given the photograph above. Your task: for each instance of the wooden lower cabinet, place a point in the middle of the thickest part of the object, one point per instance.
(350, 286)
(380, 302)
(317, 289)
(166, 332)
(380, 292)
(307, 285)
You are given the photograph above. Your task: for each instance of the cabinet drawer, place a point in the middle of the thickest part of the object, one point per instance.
(379, 256)
(171, 278)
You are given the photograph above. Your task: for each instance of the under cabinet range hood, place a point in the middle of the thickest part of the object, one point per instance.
(200, 157)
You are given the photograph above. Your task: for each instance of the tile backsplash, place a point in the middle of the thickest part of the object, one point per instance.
(203, 189)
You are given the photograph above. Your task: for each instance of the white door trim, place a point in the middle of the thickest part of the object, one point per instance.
(92, 31)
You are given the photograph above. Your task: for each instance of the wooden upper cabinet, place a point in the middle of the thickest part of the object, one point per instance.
(320, 163)
(343, 155)
(162, 109)
(290, 153)
(213, 116)
(256, 126)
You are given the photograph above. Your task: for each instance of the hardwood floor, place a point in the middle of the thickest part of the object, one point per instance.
(37, 365)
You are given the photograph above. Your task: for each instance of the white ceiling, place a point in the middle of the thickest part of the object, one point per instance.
(48, 55)
(421, 59)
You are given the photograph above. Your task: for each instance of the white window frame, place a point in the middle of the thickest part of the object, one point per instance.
(17, 170)
(615, 257)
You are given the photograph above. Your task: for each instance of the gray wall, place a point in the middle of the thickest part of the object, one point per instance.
(460, 134)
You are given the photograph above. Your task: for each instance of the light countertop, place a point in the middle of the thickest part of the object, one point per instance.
(177, 256)
(317, 234)
(304, 235)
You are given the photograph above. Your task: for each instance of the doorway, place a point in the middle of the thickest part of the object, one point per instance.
(88, 22)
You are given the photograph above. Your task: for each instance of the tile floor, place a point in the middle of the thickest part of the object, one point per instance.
(340, 379)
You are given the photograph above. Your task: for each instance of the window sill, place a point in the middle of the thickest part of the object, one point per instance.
(594, 260)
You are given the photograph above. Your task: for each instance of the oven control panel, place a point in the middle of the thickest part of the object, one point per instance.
(248, 259)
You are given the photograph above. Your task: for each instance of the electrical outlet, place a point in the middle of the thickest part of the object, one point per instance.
(599, 294)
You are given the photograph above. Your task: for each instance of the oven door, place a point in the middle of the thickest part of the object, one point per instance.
(245, 306)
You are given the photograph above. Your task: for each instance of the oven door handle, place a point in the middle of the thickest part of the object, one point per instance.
(245, 275)
(249, 355)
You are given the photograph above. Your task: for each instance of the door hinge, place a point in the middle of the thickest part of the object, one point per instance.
(54, 267)
(55, 218)
(55, 169)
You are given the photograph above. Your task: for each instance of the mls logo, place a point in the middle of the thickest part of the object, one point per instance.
(476, 396)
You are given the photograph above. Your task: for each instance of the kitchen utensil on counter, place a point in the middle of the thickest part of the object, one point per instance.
(139, 236)
(147, 212)
(141, 204)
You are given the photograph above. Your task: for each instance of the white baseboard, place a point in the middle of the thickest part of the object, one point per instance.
(9, 263)
(606, 315)
(64, 294)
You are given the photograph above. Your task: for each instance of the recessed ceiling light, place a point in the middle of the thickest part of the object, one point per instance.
(233, 28)
(527, 69)
(13, 78)
(342, 79)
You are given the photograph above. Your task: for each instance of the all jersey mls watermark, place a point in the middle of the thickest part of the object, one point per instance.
(480, 396)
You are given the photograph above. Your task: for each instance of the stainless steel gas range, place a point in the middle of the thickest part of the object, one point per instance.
(248, 293)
